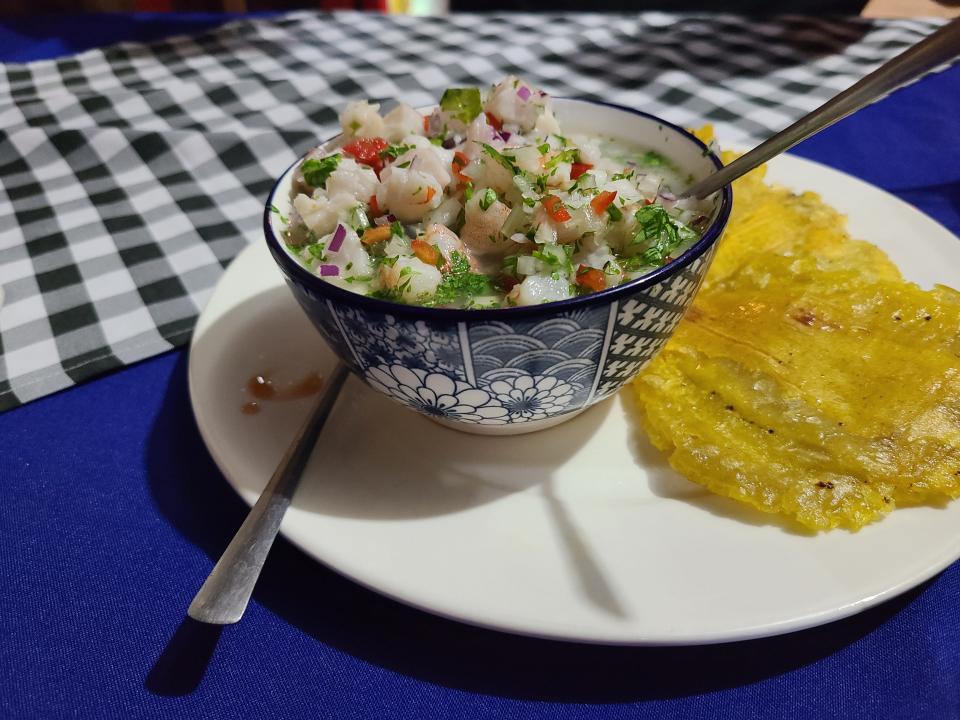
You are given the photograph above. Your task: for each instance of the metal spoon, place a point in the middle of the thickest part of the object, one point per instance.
(226, 592)
(941, 47)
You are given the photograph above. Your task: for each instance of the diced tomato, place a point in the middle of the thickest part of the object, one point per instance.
(459, 162)
(426, 124)
(425, 251)
(373, 235)
(578, 169)
(494, 121)
(507, 282)
(555, 208)
(374, 207)
(590, 278)
(648, 202)
(602, 201)
(367, 151)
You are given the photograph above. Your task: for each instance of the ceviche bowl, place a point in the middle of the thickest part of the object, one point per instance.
(511, 370)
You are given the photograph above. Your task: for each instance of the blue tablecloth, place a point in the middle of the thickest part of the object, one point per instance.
(113, 513)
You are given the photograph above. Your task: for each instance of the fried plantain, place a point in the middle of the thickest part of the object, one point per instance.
(808, 378)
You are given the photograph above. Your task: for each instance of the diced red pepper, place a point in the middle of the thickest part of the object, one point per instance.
(555, 208)
(578, 169)
(459, 162)
(495, 122)
(425, 251)
(374, 207)
(590, 278)
(367, 151)
(602, 201)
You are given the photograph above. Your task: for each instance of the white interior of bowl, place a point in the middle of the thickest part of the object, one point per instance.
(578, 117)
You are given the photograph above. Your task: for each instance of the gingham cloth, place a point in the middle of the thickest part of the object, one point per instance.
(130, 176)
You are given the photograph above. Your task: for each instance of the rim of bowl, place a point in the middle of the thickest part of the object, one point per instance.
(292, 268)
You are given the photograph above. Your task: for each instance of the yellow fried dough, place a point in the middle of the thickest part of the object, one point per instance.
(808, 378)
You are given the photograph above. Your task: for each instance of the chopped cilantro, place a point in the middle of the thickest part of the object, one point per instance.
(659, 232)
(614, 212)
(489, 198)
(280, 216)
(544, 149)
(463, 103)
(316, 250)
(396, 228)
(436, 141)
(555, 256)
(405, 164)
(316, 172)
(571, 155)
(460, 284)
(395, 151)
(622, 176)
(500, 158)
(468, 191)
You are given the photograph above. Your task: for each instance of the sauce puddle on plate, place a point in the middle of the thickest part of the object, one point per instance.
(263, 388)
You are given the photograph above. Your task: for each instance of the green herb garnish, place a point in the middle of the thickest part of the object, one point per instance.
(614, 212)
(570, 155)
(316, 172)
(489, 198)
(396, 228)
(460, 283)
(544, 149)
(395, 151)
(659, 232)
(468, 191)
(462, 103)
(501, 158)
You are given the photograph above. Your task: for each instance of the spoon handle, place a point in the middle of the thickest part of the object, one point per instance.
(226, 592)
(940, 47)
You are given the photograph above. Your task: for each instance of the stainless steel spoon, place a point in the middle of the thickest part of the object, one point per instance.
(226, 592)
(941, 47)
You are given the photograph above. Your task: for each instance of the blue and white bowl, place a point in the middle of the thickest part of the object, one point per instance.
(515, 370)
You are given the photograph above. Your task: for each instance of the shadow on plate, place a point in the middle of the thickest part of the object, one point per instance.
(194, 497)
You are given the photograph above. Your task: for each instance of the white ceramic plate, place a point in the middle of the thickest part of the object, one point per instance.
(581, 532)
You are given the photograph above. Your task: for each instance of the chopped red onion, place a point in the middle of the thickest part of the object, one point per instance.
(338, 235)
(384, 220)
(504, 135)
(327, 270)
(523, 92)
(668, 196)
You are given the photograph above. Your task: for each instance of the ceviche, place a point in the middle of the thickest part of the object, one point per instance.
(485, 202)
